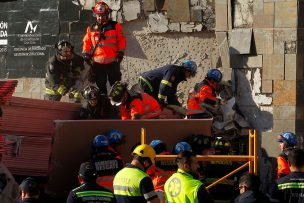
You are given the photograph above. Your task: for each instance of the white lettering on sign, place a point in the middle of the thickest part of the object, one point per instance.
(3, 33)
(30, 28)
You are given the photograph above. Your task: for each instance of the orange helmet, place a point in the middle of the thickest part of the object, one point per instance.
(101, 8)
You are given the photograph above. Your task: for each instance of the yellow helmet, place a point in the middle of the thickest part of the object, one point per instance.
(145, 151)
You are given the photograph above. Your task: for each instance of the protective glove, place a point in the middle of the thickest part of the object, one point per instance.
(162, 103)
(62, 90)
(120, 55)
(87, 58)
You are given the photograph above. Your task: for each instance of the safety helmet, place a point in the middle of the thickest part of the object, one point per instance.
(101, 8)
(63, 47)
(154, 143)
(190, 66)
(115, 136)
(182, 146)
(117, 92)
(289, 138)
(145, 151)
(100, 141)
(90, 92)
(215, 75)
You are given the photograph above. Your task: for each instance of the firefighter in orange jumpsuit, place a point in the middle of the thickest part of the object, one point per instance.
(288, 141)
(133, 105)
(103, 48)
(204, 93)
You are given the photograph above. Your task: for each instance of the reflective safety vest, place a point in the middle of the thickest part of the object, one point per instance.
(181, 187)
(108, 40)
(203, 93)
(127, 182)
(146, 108)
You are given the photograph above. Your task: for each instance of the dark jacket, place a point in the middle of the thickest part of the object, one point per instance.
(31, 200)
(91, 192)
(252, 197)
(63, 73)
(164, 81)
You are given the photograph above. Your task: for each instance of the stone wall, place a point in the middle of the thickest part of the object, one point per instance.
(150, 42)
(265, 43)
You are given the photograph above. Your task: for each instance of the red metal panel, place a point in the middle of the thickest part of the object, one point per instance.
(7, 88)
(28, 127)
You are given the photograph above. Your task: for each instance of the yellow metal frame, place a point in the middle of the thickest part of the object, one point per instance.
(251, 159)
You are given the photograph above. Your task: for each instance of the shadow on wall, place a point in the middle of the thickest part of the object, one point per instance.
(247, 85)
(268, 174)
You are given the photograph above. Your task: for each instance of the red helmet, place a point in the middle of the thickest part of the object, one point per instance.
(101, 8)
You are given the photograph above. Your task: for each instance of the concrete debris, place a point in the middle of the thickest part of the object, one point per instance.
(175, 27)
(158, 23)
(191, 27)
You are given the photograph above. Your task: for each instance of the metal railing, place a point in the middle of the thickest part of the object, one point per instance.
(250, 159)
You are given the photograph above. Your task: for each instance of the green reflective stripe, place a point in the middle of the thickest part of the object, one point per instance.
(291, 186)
(94, 193)
(147, 83)
(51, 92)
(160, 96)
(166, 82)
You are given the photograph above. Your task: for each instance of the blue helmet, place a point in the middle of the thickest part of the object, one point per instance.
(215, 75)
(190, 66)
(182, 146)
(288, 137)
(115, 136)
(154, 143)
(100, 141)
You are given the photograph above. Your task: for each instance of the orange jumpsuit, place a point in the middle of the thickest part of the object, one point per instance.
(146, 108)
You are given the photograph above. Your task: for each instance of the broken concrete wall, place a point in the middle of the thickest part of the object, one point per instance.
(265, 54)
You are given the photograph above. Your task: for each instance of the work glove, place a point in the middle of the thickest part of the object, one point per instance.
(87, 58)
(62, 90)
(162, 103)
(120, 55)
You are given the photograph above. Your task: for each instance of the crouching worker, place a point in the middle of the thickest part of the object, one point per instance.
(97, 106)
(202, 99)
(133, 105)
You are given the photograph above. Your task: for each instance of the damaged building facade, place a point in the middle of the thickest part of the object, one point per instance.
(257, 44)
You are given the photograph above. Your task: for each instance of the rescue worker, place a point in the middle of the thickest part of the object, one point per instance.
(103, 47)
(288, 141)
(116, 139)
(97, 106)
(224, 190)
(106, 162)
(182, 146)
(63, 73)
(290, 188)
(89, 191)
(161, 83)
(29, 190)
(249, 186)
(183, 186)
(133, 105)
(202, 99)
(132, 183)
